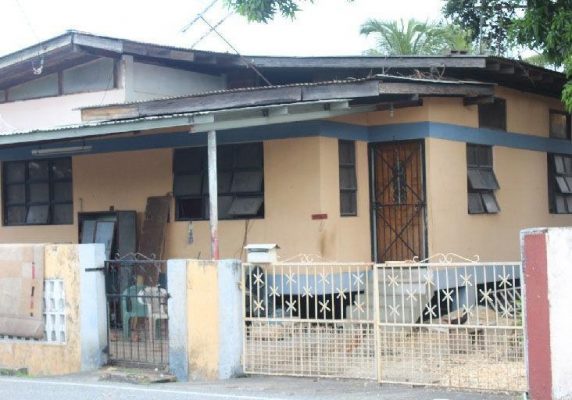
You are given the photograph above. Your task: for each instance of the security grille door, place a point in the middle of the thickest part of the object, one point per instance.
(398, 201)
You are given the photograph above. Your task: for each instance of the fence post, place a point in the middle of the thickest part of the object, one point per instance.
(177, 310)
(376, 321)
(230, 318)
(93, 306)
(546, 255)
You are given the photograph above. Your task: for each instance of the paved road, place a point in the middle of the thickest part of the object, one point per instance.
(87, 387)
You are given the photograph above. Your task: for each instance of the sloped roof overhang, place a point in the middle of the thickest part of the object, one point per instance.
(230, 109)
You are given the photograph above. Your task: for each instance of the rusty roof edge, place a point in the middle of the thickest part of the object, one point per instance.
(110, 127)
(378, 77)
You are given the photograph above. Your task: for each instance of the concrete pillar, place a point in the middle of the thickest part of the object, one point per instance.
(92, 306)
(177, 311)
(230, 319)
(205, 319)
(547, 265)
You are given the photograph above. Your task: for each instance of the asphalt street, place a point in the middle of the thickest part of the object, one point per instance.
(88, 387)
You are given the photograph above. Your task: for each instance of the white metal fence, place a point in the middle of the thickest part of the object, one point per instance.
(309, 319)
(445, 323)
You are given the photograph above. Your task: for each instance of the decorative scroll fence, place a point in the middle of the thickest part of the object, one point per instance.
(444, 323)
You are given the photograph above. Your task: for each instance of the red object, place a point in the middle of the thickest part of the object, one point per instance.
(537, 317)
(319, 216)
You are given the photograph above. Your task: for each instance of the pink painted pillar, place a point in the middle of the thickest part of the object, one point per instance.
(547, 266)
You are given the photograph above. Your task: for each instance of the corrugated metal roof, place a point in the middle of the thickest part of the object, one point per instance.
(380, 77)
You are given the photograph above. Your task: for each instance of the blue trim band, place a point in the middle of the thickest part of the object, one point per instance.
(380, 133)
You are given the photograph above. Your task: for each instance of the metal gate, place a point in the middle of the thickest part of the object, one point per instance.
(398, 200)
(309, 319)
(443, 323)
(452, 324)
(137, 312)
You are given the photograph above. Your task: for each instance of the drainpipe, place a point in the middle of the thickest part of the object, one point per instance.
(213, 194)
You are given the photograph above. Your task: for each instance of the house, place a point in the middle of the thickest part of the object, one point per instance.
(335, 158)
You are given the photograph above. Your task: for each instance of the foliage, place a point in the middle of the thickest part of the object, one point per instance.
(546, 26)
(489, 21)
(414, 37)
(265, 10)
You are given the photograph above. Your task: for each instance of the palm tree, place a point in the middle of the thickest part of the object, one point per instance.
(414, 37)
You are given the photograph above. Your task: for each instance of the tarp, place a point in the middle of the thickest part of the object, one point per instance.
(22, 290)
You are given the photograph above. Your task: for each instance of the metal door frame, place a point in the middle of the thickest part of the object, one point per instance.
(372, 195)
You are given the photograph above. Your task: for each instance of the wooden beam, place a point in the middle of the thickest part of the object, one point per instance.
(388, 105)
(340, 91)
(436, 89)
(507, 69)
(206, 102)
(470, 101)
(367, 62)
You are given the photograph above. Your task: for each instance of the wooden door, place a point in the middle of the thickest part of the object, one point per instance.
(398, 201)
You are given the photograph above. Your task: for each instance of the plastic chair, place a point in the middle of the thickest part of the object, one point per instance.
(156, 300)
(131, 307)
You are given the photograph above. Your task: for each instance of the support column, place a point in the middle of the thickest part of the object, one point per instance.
(546, 255)
(213, 194)
(178, 314)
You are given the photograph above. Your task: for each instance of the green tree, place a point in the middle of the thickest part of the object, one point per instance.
(488, 21)
(413, 37)
(264, 10)
(546, 27)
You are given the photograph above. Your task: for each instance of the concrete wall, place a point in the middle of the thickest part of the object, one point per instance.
(85, 317)
(153, 81)
(522, 197)
(52, 111)
(300, 178)
(522, 175)
(206, 342)
(546, 257)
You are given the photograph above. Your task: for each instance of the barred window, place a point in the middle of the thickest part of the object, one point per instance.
(559, 125)
(493, 115)
(38, 192)
(240, 182)
(481, 180)
(560, 184)
(348, 180)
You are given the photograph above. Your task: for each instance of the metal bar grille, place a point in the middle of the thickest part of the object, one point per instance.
(448, 324)
(137, 312)
(452, 324)
(309, 320)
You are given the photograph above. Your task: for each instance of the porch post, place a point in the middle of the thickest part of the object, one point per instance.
(213, 194)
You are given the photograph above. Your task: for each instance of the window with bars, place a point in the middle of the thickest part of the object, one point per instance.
(559, 125)
(560, 183)
(348, 180)
(481, 180)
(493, 115)
(240, 182)
(38, 192)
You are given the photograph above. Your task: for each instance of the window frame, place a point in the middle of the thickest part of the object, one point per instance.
(27, 181)
(551, 133)
(554, 188)
(351, 167)
(481, 180)
(223, 168)
(484, 122)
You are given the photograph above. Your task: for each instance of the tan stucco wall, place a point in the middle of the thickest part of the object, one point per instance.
(203, 319)
(526, 113)
(300, 177)
(523, 199)
(61, 262)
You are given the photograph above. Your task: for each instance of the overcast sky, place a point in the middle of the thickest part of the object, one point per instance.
(327, 27)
